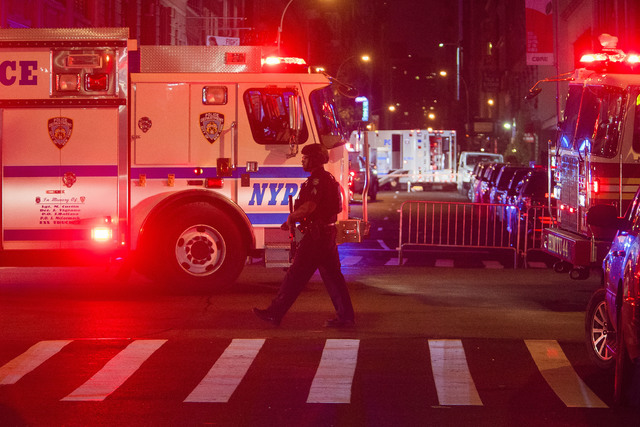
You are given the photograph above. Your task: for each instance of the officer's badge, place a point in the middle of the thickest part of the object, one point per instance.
(211, 125)
(69, 179)
(60, 130)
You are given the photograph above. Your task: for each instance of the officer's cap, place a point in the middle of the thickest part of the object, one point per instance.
(317, 151)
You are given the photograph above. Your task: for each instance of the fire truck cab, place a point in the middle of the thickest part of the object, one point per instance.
(182, 158)
(596, 158)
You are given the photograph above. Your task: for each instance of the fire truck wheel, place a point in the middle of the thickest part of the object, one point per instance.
(598, 333)
(201, 247)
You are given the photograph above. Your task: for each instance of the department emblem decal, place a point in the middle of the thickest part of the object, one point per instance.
(60, 130)
(144, 124)
(211, 125)
(69, 179)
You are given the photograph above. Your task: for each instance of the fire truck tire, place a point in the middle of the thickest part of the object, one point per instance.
(598, 332)
(202, 246)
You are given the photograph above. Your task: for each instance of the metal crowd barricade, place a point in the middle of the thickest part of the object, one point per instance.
(537, 219)
(471, 225)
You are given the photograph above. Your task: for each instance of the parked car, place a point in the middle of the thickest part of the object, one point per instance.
(481, 177)
(510, 194)
(487, 184)
(612, 322)
(498, 193)
(466, 164)
(357, 173)
(529, 211)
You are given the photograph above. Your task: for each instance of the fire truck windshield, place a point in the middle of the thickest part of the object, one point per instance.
(325, 113)
(592, 119)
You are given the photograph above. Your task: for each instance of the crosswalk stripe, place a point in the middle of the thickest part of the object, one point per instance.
(350, 260)
(333, 379)
(560, 375)
(444, 262)
(225, 375)
(36, 355)
(115, 372)
(453, 381)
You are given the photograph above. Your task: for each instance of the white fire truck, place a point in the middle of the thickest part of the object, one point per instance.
(412, 157)
(596, 158)
(181, 158)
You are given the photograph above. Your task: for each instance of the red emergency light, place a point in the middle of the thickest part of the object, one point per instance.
(284, 64)
(610, 59)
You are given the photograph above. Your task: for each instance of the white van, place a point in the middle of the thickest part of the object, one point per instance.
(468, 160)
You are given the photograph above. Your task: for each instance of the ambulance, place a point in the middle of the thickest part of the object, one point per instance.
(179, 159)
(596, 157)
(424, 157)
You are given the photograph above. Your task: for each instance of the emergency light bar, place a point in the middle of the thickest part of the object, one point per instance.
(284, 64)
(610, 59)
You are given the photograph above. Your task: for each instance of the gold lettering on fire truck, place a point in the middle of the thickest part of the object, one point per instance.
(60, 210)
(60, 130)
(558, 245)
(211, 125)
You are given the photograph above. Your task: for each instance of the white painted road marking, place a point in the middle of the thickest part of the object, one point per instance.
(115, 372)
(350, 260)
(383, 245)
(453, 381)
(35, 356)
(560, 375)
(226, 374)
(333, 379)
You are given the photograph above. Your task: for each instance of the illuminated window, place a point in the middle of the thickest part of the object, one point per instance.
(269, 118)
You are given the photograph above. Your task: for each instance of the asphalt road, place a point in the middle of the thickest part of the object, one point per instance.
(484, 344)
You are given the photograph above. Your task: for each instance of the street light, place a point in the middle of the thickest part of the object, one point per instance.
(280, 26)
(363, 58)
(458, 64)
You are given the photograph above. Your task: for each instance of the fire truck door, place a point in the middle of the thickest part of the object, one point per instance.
(160, 123)
(60, 176)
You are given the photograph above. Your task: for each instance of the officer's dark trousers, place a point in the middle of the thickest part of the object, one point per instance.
(316, 251)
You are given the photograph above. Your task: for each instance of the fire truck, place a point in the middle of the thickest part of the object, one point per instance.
(180, 159)
(596, 157)
(422, 157)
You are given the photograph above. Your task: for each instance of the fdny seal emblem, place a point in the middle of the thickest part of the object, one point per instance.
(69, 179)
(60, 130)
(211, 125)
(144, 124)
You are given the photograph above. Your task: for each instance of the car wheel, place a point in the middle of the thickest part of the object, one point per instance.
(598, 333)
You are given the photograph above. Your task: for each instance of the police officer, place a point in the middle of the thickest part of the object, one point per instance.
(316, 209)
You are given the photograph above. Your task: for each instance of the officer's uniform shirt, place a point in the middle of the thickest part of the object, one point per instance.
(318, 188)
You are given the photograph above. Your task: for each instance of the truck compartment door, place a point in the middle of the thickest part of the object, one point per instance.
(60, 176)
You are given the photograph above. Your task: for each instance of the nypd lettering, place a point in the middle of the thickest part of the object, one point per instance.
(278, 193)
(211, 125)
(20, 72)
(60, 130)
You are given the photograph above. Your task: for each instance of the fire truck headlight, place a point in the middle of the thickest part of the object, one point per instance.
(101, 234)
(68, 82)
